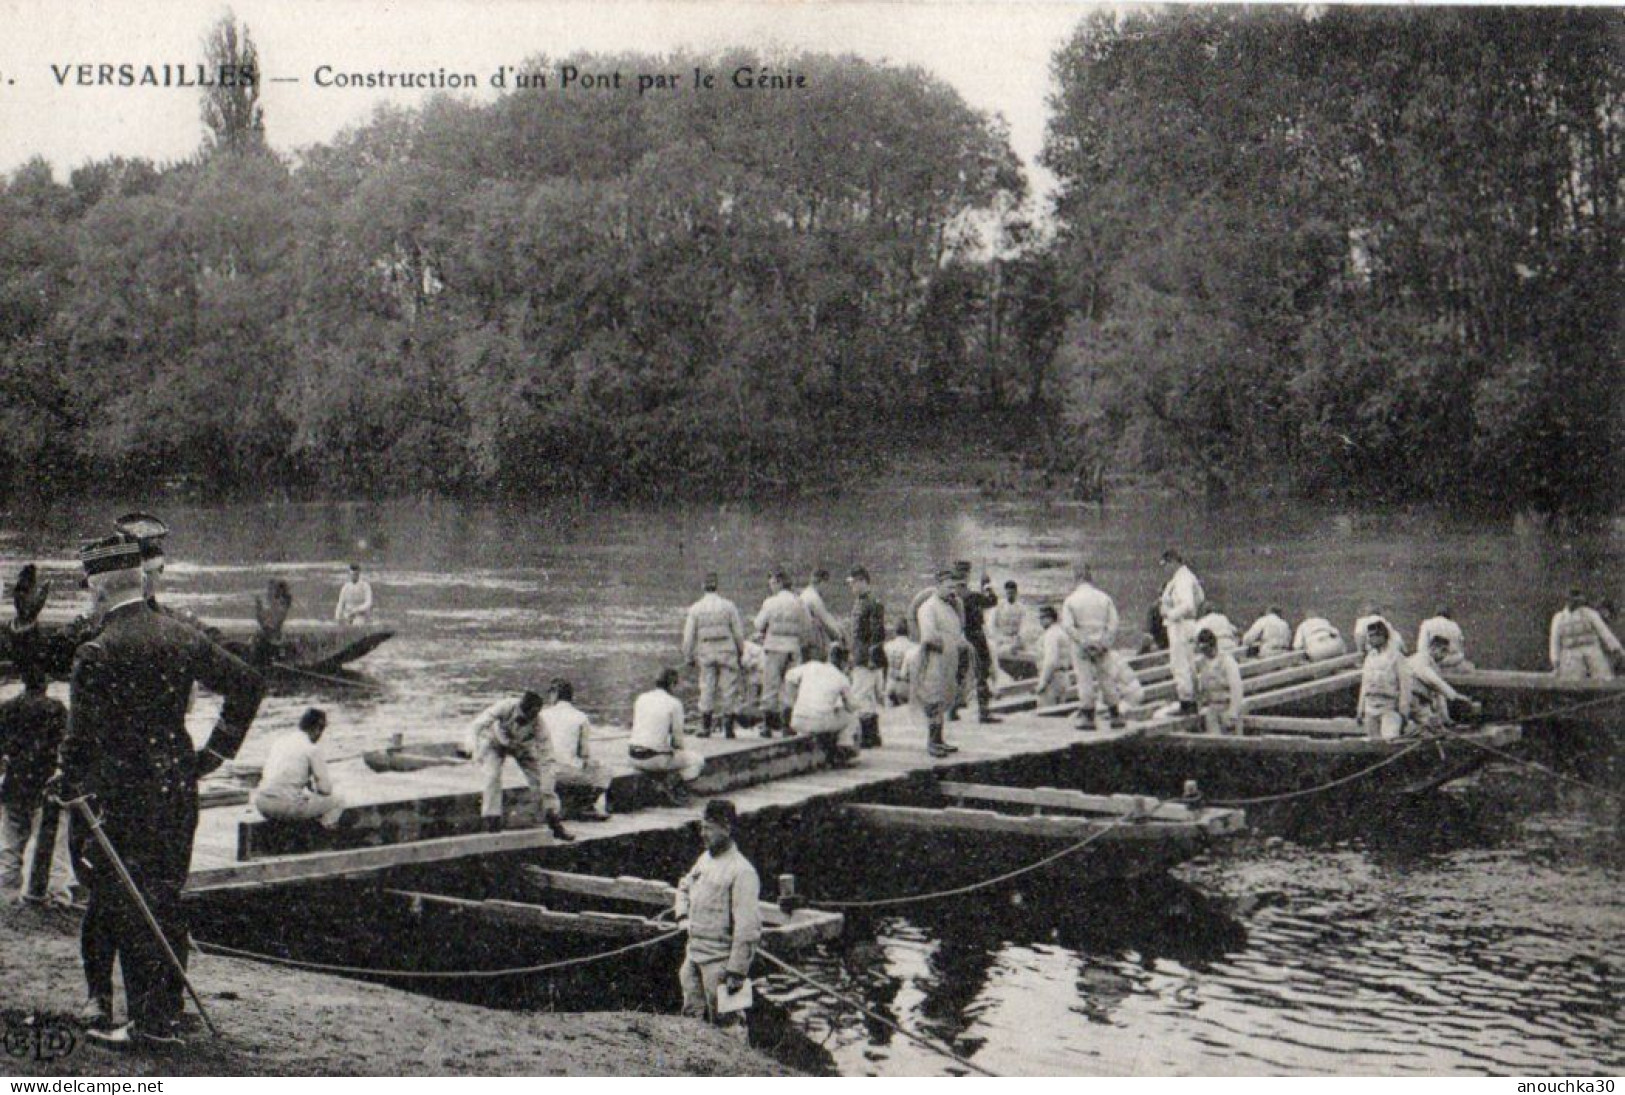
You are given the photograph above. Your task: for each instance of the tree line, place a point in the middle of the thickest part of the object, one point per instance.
(1354, 250)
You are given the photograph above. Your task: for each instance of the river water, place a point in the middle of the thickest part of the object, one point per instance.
(1478, 931)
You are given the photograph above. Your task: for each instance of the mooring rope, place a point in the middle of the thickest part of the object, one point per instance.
(881, 1019)
(960, 891)
(1537, 766)
(427, 975)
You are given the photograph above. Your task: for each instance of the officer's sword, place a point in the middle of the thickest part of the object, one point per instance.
(93, 823)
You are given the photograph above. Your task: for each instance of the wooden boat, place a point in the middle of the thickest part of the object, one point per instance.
(1542, 702)
(310, 645)
(415, 758)
(1281, 754)
(315, 645)
(1130, 835)
(782, 929)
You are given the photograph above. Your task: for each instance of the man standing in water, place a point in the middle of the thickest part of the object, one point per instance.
(355, 600)
(718, 905)
(1181, 604)
(1581, 645)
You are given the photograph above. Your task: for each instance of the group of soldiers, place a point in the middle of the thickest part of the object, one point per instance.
(806, 671)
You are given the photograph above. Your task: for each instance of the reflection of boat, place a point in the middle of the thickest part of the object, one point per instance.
(1279, 754)
(1129, 835)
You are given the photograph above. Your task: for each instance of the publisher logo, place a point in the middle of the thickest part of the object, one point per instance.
(36, 1037)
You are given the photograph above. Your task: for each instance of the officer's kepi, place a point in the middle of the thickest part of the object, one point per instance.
(110, 554)
(148, 532)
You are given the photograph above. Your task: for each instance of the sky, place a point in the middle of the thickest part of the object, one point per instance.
(996, 53)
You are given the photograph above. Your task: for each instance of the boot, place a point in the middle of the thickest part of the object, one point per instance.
(555, 825)
(1187, 707)
(1117, 719)
(934, 744)
(869, 731)
(97, 1013)
(600, 808)
(770, 723)
(728, 727)
(987, 719)
(705, 726)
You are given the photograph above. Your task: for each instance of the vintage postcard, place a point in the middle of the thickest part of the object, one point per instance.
(835, 538)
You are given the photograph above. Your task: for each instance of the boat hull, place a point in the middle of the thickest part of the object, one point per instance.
(1227, 767)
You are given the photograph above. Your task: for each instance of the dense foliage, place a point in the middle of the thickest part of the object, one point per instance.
(1364, 248)
(1332, 250)
(718, 292)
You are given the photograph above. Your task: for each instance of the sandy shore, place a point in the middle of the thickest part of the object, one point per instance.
(280, 1022)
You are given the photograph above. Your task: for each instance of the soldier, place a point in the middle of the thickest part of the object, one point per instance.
(1181, 603)
(942, 644)
(973, 610)
(868, 646)
(713, 642)
(784, 626)
(1089, 618)
(513, 728)
(127, 746)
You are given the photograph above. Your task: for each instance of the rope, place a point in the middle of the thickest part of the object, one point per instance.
(959, 891)
(882, 1020)
(1536, 765)
(1573, 707)
(428, 975)
(1350, 778)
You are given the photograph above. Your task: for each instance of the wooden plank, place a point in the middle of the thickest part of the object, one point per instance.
(362, 861)
(1335, 683)
(1533, 682)
(1050, 827)
(1260, 673)
(1065, 799)
(626, 888)
(1286, 724)
(802, 927)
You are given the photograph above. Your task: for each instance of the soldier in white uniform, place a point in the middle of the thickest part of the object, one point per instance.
(1581, 645)
(713, 641)
(1181, 603)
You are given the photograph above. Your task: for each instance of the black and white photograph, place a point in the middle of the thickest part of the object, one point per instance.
(811, 538)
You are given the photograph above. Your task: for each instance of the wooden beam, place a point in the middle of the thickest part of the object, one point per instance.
(1051, 827)
(1335, 683)
(355, 862)
(797, 929)
(643, 891)
(1064, 799)
(1286, 724)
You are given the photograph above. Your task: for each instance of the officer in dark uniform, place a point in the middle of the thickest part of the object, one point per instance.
(972, 605)
(127, 744)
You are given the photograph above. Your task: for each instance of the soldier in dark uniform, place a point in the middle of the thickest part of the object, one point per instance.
(127, 744)
(973, 605)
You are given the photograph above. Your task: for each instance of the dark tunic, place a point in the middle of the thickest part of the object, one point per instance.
(127, 740)
(31, 728)
(868, 633)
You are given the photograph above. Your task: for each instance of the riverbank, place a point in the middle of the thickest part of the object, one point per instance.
(278, 1022)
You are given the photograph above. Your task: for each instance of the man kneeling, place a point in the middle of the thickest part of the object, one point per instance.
(820, 699)
(295, 785)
